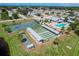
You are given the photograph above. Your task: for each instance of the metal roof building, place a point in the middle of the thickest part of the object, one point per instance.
(52, 30)
(35, 35)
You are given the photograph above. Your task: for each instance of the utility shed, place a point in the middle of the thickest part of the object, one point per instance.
(26, 41)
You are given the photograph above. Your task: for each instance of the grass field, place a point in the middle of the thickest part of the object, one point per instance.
(18, 48)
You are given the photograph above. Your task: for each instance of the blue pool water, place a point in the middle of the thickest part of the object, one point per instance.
(60, 25)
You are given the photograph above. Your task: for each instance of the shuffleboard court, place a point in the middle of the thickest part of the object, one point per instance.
(48, 35)
(44, 33)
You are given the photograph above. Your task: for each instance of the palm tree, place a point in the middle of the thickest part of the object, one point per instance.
(56, 41)
(75, 26)
(77, 30)
(68, 30)
(65, 20)
(62, 30)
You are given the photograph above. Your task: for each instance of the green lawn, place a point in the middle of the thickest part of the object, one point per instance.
(14, 42)
(72, 41)
(17, 48)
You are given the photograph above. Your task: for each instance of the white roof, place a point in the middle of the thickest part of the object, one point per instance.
(71, 21)
(34, 34)
(56, 32)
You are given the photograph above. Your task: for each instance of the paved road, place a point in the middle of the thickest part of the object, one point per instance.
(20, 15)
(10, 20)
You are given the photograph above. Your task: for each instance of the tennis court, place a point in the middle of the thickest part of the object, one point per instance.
(21, 26)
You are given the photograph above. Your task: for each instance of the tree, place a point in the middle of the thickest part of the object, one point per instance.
(4, 14)
(46, 20)
(4, 25)
(75, 26)
(62, 30)
(52, 12)
(15, 15)
(24, 11)
(38, 14)
(65, 20)
(68, 30)
(8, 29)
(56, 41)
(71, 13)
(77, 30)
(14, 22)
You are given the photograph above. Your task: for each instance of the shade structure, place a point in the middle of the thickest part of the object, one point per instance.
(34, 34)
(50, 29)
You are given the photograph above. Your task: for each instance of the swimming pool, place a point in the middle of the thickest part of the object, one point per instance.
(60, 25)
